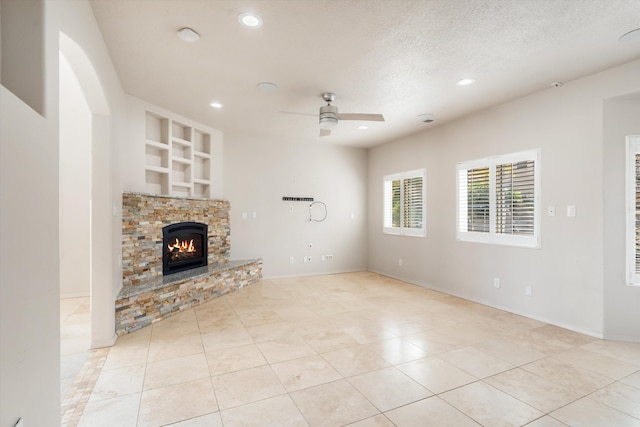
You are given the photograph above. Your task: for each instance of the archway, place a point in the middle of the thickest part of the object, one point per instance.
(97, 201)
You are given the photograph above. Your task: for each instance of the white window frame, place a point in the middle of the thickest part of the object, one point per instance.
(402, 230)
(493, 237)
(633, 148)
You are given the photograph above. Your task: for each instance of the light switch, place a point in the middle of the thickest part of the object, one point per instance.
(571, 211)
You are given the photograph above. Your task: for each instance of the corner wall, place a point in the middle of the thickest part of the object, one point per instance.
(566, 273)
(621, 302)
(259, 172)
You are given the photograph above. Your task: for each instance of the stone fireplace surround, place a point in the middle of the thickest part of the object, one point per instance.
(147, 296)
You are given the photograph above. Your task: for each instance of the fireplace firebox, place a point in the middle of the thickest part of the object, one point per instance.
(184, 246)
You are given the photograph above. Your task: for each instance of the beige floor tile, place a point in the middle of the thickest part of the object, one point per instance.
(588, 412)
(219, 324)
(130, 349)
(555, 333)
(228, 338)
(366, 333)
(259, 318)
(490, 406)
(435, 374)
(270, 332)
(539, 343)
(234, 359)
(432, 342)
(349, 320)
(620, 396)
(377, 421)
(209, 420)
(175, 371)
(330, 340)
(118, 382)
(568, 376)
(397, 350)
(600, 363)
(276, 411)
(177, 402)
(510, 351)
(632, 380)
(389, 388)
(305, 372)
(627, 352)
(354, 360)
(546, 421)
(285, 349)
(170, 348)
(183, 323)
(120, 411)
(475, 362)
(435, 410)
(247, 386)
(533, 390)
(333, 404)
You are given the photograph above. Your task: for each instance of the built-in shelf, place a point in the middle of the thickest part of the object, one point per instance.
(177, 158)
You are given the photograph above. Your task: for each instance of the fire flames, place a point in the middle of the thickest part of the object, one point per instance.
(181, 248)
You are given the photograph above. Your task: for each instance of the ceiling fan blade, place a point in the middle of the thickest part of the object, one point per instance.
(362, 117)
(325, 132)
(298, 114)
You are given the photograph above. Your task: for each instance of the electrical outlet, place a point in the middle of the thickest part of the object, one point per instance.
(496, 282)
(399, 262)
(528, 291)
(291, 260)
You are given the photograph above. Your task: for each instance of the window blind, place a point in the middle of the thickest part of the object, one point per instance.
(515, 186)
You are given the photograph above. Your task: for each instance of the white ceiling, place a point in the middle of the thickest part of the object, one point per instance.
(400, 58)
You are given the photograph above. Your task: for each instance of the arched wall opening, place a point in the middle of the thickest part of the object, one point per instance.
(93, 198)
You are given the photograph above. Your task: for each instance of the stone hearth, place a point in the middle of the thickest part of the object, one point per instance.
(147, 296)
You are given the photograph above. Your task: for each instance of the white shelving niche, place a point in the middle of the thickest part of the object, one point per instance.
(177, 158)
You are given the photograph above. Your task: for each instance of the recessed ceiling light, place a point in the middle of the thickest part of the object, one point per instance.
(250, 20)
(216, 104)
(188, 35)
(465, 82)
(267, 87)
(363, 127)
(632, 36)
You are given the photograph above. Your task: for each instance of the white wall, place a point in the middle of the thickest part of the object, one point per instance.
(75, 185)
(29, 212)
(258, 173)
(566, 273)
(29, 309)
(621, 302)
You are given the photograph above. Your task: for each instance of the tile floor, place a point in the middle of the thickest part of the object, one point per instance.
(360, 350)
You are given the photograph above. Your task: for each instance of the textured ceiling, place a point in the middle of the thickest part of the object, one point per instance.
(400, 58)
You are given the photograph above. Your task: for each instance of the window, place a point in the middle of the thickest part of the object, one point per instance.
(633, 210)
(498, 199)
(404, 203)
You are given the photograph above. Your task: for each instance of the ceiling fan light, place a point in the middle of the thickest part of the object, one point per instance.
(328, 122)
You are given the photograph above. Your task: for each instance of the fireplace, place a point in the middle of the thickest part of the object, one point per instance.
(184, 246)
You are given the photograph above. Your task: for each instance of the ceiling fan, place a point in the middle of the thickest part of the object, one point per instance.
(329, 116)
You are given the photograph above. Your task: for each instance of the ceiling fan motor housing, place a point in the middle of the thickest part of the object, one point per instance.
(328, 117)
